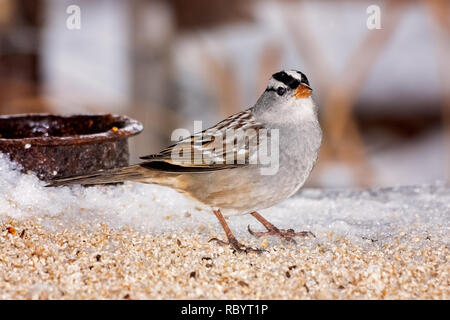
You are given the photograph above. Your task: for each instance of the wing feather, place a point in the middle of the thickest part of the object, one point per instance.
(229, 144)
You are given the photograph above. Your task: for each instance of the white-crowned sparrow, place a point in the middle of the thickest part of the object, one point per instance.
(224, 176)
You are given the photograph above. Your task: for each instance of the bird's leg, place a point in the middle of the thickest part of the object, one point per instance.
(231, 238)
(288, 234)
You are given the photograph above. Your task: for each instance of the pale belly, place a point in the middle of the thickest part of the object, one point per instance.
(241, 191)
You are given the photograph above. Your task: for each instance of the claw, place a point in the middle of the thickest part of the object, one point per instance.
(256, 234)
(237, 246)
(222, 243)
(287, 235)
(305, 234)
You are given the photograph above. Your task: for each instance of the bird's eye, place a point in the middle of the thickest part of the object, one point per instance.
(281, 91)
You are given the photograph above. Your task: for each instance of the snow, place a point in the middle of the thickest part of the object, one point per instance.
(361, 215)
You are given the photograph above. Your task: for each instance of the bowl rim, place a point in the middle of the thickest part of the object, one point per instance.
(131, 128)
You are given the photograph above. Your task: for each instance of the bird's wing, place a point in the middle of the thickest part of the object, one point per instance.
(231, 143)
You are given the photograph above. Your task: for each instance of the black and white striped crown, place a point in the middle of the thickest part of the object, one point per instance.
(290, 78)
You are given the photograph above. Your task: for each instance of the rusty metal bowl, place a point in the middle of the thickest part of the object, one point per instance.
(55, 146)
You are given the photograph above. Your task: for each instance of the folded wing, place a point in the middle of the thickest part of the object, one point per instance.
(229, 144)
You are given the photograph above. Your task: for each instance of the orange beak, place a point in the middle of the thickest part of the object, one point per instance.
(303, 91)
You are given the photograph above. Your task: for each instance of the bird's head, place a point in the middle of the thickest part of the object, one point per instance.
(289, 84)
(287, 98)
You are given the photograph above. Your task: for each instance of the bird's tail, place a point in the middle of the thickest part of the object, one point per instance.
(133, 173)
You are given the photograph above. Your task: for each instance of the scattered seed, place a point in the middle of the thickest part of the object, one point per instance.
(153, 266)
(243, 283)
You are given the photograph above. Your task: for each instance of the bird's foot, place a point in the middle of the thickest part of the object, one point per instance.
(286, 234)
(237, 246)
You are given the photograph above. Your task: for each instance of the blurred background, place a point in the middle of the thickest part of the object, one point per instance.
(384, 93)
